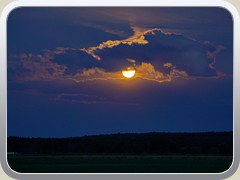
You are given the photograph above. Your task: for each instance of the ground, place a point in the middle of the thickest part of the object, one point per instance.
(118, 164)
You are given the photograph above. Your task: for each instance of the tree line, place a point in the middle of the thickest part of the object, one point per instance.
(210, 143)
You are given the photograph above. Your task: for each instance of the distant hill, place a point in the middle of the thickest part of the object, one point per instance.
(209, 143)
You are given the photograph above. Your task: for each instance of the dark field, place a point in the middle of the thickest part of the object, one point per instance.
(123, 153)
(118, 164)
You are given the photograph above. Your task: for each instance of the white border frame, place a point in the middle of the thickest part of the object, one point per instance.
(119, 3)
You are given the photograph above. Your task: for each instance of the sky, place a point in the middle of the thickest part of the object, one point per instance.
(64, 70)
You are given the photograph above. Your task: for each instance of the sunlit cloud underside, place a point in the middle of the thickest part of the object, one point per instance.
(156, 55)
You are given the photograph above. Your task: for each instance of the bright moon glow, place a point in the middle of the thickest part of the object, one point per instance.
(129, 72)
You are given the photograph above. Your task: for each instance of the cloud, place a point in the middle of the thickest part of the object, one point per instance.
(79, 98)
(158, 47)
(147, 71)
(28, 67)
(167, 65)
(157, 56)
(136, 38)
(132, 61)
(120, 30)
(88, 99)
(213, 55)
(93, 74)
(42, 67)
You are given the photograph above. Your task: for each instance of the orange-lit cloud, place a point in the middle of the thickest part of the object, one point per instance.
(40, 67)
(94, 74)
(167, 65)
(36, 67)
(136, 38)
(147, 71)
(157, 56)
(144, 71)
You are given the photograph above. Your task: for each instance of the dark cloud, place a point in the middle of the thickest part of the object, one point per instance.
(75, 60)
(47, 28)
(149, 50)
(158, 48)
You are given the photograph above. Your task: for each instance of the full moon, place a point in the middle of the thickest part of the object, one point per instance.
(128, 72)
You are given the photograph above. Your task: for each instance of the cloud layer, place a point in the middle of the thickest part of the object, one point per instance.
(157, 56)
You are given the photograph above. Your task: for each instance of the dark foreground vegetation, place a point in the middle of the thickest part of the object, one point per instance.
(212, 143)
(123, 153)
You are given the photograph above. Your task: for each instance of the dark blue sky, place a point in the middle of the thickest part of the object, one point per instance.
(64, 71)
